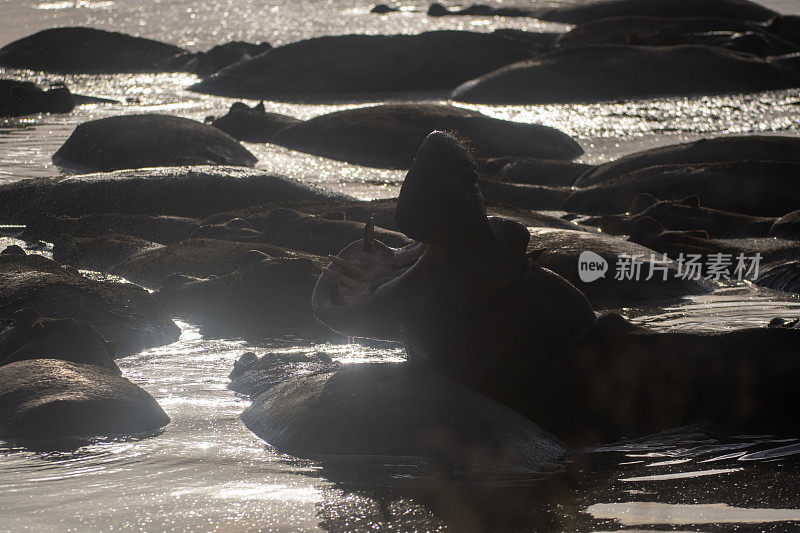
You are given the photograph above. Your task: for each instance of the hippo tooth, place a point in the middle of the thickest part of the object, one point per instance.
(339, 277)
(369, 235)
(351, 269)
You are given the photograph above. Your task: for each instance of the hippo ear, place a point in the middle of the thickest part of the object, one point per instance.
(642, 202)
(691, 201)
(440, 202)
(260, 107)
(645, 229)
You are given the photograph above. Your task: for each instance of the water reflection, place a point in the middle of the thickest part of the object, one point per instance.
(605, 130)
(207, 470)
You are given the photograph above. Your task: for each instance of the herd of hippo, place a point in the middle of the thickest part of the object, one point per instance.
(474, 268)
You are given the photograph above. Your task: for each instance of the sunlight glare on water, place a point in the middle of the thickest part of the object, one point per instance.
(172, 481)
(207, 472)
(652, 513)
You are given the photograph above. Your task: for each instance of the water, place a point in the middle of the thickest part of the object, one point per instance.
(206, 471)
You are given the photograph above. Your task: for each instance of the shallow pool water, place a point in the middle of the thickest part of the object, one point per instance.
(207, 472)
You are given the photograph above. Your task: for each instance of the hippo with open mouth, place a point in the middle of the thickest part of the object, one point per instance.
(465, 300)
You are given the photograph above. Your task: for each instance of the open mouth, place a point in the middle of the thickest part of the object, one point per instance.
(364, 271)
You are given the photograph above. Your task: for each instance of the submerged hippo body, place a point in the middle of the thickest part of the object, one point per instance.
(48, 399)
(787, 226)
(124, 314)
(477, 10)
(198, 258)
(758, 188)
(685, 214)
(86, 50)
(263, 296)
(19, 98)
(138, 141)
(215, 59)
(733, 9)
(464, 299)
(32, 336)
(396, 410)
(387, 136)
(157, 228)
(610, 72)
(783, 276)
(559, 250)
(651, 233)
(347, 65)
(97, 253)
(713, 150)
(194, 192)
(741, 36)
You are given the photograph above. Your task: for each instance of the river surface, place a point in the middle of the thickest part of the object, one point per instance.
(207, 472)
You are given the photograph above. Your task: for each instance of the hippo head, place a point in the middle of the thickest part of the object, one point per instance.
(373, 290)
(463, 290)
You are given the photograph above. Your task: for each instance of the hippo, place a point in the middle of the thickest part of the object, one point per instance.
(785, 26)
(382, 211)
(610, 72)
(19, 98)
(215, 59)
(263, 296)
(348, 65)
(198, 258)
(32, 336)
(523, 195)
(711, 150)
(559, 250)
(781, 276)
(49, 399)
(649, 232)
(86, 50)
(685, 214)
(318, 235)
(124, 314)
(252, 124)
(534, 171)
(97, 253)
(137, 141)
(253, 375)
(386, 136)
(586, 12)
(729, 33)
(442, 422)
(787, 226)
(282, 233)
(191, 192)
(162, 229)
(382, 9)
(464, 300)
(478, 10)
(757, 188)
